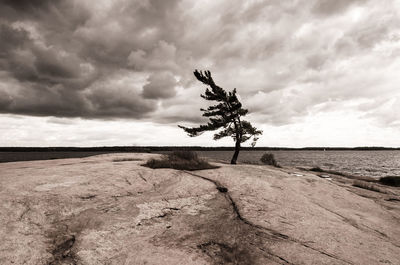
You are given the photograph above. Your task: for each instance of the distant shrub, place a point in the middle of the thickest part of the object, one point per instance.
(185, 155)
(390, 181)
(181, 160)
(269, 159)
(366, 185)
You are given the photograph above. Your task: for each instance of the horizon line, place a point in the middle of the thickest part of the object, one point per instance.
(196, 146)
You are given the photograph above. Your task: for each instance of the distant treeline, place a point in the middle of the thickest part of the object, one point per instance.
(149, 149)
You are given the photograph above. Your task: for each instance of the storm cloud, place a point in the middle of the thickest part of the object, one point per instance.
(134, 59)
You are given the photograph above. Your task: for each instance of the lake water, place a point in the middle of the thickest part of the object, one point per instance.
(364, 163)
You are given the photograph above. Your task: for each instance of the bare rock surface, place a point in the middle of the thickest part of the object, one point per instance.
(108, 209)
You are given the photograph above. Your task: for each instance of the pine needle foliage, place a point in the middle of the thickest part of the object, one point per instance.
(225, 116)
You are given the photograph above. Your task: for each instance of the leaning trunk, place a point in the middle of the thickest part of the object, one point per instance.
(236, 154)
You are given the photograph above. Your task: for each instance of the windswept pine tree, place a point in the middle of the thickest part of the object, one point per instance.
(225, 116)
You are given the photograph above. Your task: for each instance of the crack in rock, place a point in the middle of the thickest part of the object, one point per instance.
(361, 227)
(279, 258)
(141, 176)
(392, 200)
(262, 229)
(127, 181)
(165, 212)
(26, 210)
(87, 197)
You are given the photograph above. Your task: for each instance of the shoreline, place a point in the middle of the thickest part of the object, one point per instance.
(18, 156)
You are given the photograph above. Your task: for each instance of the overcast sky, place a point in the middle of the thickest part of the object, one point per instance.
(120, 72)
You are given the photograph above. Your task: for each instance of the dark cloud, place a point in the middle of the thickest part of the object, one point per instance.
(105, 103)
(29, 61)
(29, 5)
(99, 100)
(52, 73)
(11, 39)
(55, 66)
(134, 59)
(55, 18)
(160, 85)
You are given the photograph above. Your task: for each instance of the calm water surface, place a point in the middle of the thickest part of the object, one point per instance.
(364, 163)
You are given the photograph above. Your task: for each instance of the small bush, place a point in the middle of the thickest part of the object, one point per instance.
(181, 160)
(366, 185)
(390, 181)
(269, 159)
(157, 163)
(185, 155)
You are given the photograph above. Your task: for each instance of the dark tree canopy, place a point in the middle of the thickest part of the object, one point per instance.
(225, 115)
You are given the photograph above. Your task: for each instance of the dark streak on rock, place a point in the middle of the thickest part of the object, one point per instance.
(140, 175)
(168, 212)
(164, 214)
(222, 253)
(171, 208)
(127, 181)
(222, 189)
(218, 185)
(87, 197)
(392, 200)
(62, 243)
(62, 253)
(27, 209)
(280, 259)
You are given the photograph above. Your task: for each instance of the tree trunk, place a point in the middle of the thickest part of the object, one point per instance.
(236, 154)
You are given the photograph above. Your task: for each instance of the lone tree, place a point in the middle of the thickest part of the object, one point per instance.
(226, 115)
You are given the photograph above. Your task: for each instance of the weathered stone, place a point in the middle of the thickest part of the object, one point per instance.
(108, 209)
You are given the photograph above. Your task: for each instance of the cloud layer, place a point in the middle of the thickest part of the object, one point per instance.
(289, 60)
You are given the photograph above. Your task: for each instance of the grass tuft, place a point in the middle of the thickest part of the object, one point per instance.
(269, 159)
(181, 160)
